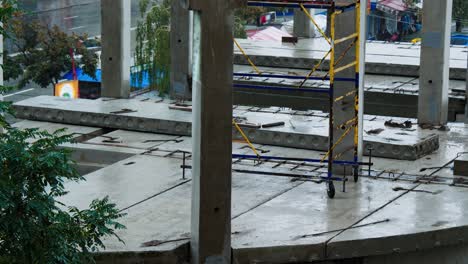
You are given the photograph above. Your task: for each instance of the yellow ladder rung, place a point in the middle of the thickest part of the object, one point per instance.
(340, 69)
(344, 96)
(345, 124)
(338, 41)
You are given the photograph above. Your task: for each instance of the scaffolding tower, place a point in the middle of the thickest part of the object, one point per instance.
(336, 66)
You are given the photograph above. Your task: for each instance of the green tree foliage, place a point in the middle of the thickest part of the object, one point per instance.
(8, 10)
(239, 28)
(152, 53)
(250, 14)
(460, 13)
(246, 16)
(44, 54)
(34, 226)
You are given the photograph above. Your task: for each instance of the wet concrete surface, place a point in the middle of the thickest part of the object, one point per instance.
(376, 51)
(421, 218)
(78, 133)
(306, 129)
(401, 59)
(282, 219)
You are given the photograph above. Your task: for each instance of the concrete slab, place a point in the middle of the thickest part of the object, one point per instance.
(281, 219)
(311, 132)
(144, 116)
(132, 139)
(432, 216)
(118, 163)
(106, 155)
(451, 143)
(79, 133)
(310, 227)
(299, 131)
(127, 182)
(166, 217)
(308, 219)
(384, 94)
(185, 144)
(381, 58)
(461, 166)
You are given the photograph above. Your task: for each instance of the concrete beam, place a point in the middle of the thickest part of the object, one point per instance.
(303, 27)
(212, 130)
(435, 54)
(115, 57)
(181, 58)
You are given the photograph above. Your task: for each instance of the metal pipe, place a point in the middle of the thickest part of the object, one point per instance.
(281, 174)
(290, 5)
(340, 162)
(305, 4)
(277, 88)
(240, 74)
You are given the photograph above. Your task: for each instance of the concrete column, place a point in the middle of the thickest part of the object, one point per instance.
(303, 27)
(115, 57)
(212, 130)
(362, 75)
(466, 107)
(344, 110)
(435, 55)
(181, 60)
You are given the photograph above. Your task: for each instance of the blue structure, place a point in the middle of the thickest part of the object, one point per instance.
(83, 77)
(459, 39)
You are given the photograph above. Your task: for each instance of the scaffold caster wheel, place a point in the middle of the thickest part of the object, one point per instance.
(331, 190)
(356, 175)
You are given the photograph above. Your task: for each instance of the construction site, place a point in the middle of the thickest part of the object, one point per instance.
(323, 147)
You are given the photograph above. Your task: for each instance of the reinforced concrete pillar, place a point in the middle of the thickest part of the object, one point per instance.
(435, 60)
(466, 105)
(181, 59)
(212, 130)
(344, 110)
(115, 56)
(303, 27)
(362, 74)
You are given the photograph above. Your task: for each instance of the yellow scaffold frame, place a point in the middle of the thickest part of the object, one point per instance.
(353, 123)
(334, 68)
